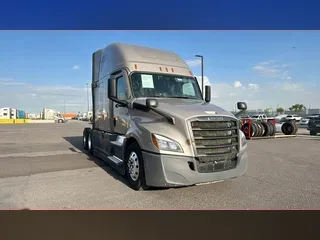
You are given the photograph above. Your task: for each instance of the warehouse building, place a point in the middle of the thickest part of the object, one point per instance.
(12, 113)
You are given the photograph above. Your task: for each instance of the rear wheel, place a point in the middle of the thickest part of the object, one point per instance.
(134, 167)
(60, 121)
(85, 138)
(90, 148)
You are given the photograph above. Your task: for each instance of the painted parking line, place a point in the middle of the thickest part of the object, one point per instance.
(41, 154)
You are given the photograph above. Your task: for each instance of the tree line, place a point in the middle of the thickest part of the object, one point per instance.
(294, 108)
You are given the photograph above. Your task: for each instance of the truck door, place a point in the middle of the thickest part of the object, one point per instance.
(120, 118)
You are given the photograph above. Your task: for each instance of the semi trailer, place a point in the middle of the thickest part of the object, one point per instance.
(152, 123)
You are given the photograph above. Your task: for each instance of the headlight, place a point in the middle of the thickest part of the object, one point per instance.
(243, 139)
(166, 144)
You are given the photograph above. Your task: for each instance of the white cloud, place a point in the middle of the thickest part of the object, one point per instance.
(72, 98)
(290, 86)
(34, 98)
(10, 82)
(253, 86)
(76, 67)
(205, 80)
(6, 79)
(259, 96)
(194, 62)
(237, 84)
(272, 70)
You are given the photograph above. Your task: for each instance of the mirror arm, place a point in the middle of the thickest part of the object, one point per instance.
(239, 113)
(145, 108)
(121, 103)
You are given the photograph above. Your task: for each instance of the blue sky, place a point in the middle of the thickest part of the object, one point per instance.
(265, 68)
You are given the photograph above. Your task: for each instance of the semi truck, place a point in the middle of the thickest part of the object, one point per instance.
(50, 114)
(153, 124)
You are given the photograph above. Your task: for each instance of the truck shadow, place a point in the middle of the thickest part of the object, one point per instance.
(76, 141)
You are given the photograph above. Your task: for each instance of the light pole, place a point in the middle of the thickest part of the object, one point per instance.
(88, 96)
(202, 87)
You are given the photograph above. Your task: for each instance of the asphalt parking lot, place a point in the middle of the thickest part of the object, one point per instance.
(44, 166)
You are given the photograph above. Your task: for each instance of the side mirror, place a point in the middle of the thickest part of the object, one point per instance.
(112, 88)
(241, 105)
(152, 103)
(207, 97)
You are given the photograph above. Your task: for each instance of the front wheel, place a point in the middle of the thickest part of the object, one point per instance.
(135, 168)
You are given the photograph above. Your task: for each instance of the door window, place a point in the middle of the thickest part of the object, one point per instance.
(121, 88)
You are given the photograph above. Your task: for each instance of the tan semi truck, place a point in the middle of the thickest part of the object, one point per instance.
(153, 125)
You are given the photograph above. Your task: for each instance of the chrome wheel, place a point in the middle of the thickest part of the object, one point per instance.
(133, 166)
(84, 141)
(89, 141)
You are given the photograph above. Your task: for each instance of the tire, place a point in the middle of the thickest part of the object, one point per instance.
(267, 129)
(134, 167)
(59, 121)
(272, 129)
(89, 142)
(85, 138)
(288, 128)
(313, 133)
(261, 128)
(253, 130)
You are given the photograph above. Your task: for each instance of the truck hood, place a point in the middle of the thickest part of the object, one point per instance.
(186, 108)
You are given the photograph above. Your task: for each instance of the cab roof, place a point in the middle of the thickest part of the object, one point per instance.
(134, 57)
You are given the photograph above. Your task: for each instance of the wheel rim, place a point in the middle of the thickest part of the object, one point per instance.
(89, 141)
(133, 166)
(84, 141)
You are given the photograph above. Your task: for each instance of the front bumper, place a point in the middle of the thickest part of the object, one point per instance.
(170, 170)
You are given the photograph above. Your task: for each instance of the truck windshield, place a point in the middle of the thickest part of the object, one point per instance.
(164, 86)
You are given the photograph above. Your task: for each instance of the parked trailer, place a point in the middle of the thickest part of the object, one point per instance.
(5, 113)
(21, 114)
(152, 124)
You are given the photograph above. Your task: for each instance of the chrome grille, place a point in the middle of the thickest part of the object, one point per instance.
(216, 143)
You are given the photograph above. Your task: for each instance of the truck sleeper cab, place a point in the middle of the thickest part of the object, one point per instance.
(151, 123)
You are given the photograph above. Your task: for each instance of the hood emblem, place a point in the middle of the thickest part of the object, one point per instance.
(215, 118)
(210, 112)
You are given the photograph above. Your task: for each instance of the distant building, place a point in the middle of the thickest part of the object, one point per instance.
(12, 113)
(5, 113)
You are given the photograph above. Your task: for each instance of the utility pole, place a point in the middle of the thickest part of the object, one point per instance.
(87, 96)
(202, 87)
(64, 104)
